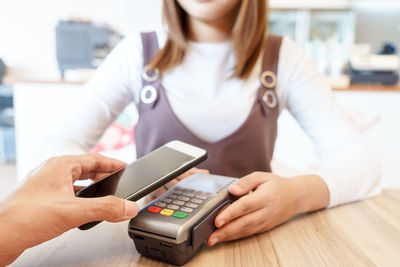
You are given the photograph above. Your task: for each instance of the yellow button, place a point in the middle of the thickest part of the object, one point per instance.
(167, 212)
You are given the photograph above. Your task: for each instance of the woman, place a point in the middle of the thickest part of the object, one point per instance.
(220, 81)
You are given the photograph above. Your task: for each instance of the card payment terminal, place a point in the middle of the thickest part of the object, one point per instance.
(173, 227)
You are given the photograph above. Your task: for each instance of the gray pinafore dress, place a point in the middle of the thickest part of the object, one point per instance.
(247, 150)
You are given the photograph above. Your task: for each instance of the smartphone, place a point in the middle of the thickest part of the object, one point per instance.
(146, 174)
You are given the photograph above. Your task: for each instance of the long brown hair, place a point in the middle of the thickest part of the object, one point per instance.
(248, 34)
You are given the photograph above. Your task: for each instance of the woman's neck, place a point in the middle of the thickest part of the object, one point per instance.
(210, 31)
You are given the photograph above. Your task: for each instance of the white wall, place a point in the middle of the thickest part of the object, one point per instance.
(374, 114)
(40, 110)
(27, 42)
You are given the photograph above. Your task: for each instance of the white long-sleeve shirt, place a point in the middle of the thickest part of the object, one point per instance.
(201, 93)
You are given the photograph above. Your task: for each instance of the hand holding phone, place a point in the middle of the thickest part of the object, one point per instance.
(45, 205)
(146, 174)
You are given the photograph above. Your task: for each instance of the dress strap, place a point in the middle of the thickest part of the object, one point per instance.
(271, 53)
(269, 73)
(150, 78)
(150, 46)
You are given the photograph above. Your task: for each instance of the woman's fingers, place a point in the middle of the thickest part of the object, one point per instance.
(191, 172)
(240, 207)
(204, 171)
(171, 184)
(246, 204)
(239, 228)
(248, 183)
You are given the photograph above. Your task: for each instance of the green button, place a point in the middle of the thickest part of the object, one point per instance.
(180, 215)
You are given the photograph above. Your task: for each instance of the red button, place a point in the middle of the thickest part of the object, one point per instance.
(154, 209)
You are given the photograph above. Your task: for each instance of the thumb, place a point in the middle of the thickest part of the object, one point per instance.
(109, 208)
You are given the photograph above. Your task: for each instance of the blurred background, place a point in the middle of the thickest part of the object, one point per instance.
(50, 48)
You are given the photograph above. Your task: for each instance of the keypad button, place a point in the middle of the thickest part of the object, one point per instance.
(203, 197)
(197, 201)
(173, 207)
(177, 192)
(180, 215)
(183, 198)
(167, 212)
(192, 205)
(154, 209)
(187, 194)
(161, 204)
(186, 209)
(171, 196)
(167, 200)
(178, 202)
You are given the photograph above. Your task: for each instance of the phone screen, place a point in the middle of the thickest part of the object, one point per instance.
(139, 174)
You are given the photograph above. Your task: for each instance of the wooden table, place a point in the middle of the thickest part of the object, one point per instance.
(365, 233)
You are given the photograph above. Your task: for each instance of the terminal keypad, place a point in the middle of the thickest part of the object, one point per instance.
(179, 203)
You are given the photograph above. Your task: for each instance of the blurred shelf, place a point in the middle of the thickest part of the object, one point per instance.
(377, 4)
(32, 75)
(8, 81)
(335, 4)
(370, 87)
(311, 4)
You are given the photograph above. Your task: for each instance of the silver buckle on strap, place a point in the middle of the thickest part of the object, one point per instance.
(150, 75)
(268, 79)
(148, 94)
(270, 99)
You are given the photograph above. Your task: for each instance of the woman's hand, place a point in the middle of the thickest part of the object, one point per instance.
(167, 186)
(273, 201)
(46, 206)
